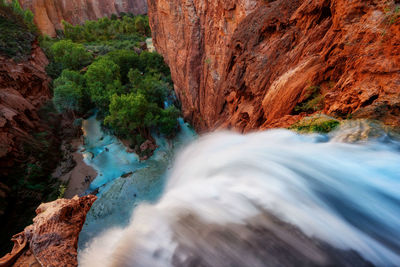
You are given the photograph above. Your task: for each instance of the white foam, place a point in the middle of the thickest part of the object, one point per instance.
(347, 195)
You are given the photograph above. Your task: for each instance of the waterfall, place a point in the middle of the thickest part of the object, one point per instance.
(141, 181)
(273, 198)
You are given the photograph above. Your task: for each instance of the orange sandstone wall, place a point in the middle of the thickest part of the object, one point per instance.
(246, 64)
(50, 13)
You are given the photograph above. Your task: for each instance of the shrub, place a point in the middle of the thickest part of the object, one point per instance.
(168, 121)
(54, 69)
(316, 124)
(69, 92)
(61, 191)
(114, 17)
(71, 55)
(313, 101)
(17, 30)
(107, 29)
(142, 25)
(67, 97)
(70, 76)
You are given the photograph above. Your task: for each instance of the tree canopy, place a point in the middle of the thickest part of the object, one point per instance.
(100, 68)
(71, 55)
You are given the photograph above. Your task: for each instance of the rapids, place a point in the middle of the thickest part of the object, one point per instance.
(273, 198)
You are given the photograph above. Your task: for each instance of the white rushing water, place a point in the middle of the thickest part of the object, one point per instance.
(118, 195)
(344, 195)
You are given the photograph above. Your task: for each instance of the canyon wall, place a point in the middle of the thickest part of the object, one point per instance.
(251, 64)
(24, 88)
(50, 13)
(52, 239)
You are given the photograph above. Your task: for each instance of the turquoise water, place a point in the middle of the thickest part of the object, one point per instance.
(221, 187)
(118, 196)
(106, 154)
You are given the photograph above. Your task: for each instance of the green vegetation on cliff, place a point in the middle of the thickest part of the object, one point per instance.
(25, 177)
(17, 30)
(316, 124)
(313, 101)
(104, 64)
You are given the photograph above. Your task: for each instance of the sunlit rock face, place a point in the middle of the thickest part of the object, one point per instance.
(52, 239)
(50, 13)
(247, 63)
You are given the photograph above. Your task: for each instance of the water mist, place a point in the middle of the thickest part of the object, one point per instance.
(272, 198)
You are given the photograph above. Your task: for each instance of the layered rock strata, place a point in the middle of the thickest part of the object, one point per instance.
(251, 64)
(52, 239)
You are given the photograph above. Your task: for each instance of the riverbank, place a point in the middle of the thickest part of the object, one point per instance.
(79, 175)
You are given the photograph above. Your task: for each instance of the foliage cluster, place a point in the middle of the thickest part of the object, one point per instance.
(127, 86)
(17, 30)
(316, 124)
(106, 29)
(312, 103)
(98, 38)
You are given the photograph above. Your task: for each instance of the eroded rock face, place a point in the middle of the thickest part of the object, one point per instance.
(247, 64)
(52, 239)
(50, 13)
(24, 87)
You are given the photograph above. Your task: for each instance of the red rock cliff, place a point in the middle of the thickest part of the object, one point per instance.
(24, 87)
(52, 239)
(50, 13)
(247, 64)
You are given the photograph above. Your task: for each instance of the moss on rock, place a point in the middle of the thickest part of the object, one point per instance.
(315, 124)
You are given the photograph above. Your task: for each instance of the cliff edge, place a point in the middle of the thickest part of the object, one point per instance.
(52, 239)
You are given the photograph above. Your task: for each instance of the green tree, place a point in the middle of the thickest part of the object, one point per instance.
(168, 122)
(128, 25)
(135, 77)
(132, 113)
(153, 89)
(90, 29)
(67, 97)
(102, 79)
(69, 94)
(71, 55)
(142, 25)
(153, 62)
(126, 60)
(74, 33)
(70, 76)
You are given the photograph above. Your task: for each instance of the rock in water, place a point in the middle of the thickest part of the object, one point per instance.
(52, 239)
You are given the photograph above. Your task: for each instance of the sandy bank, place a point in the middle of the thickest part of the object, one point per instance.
(80, 176)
